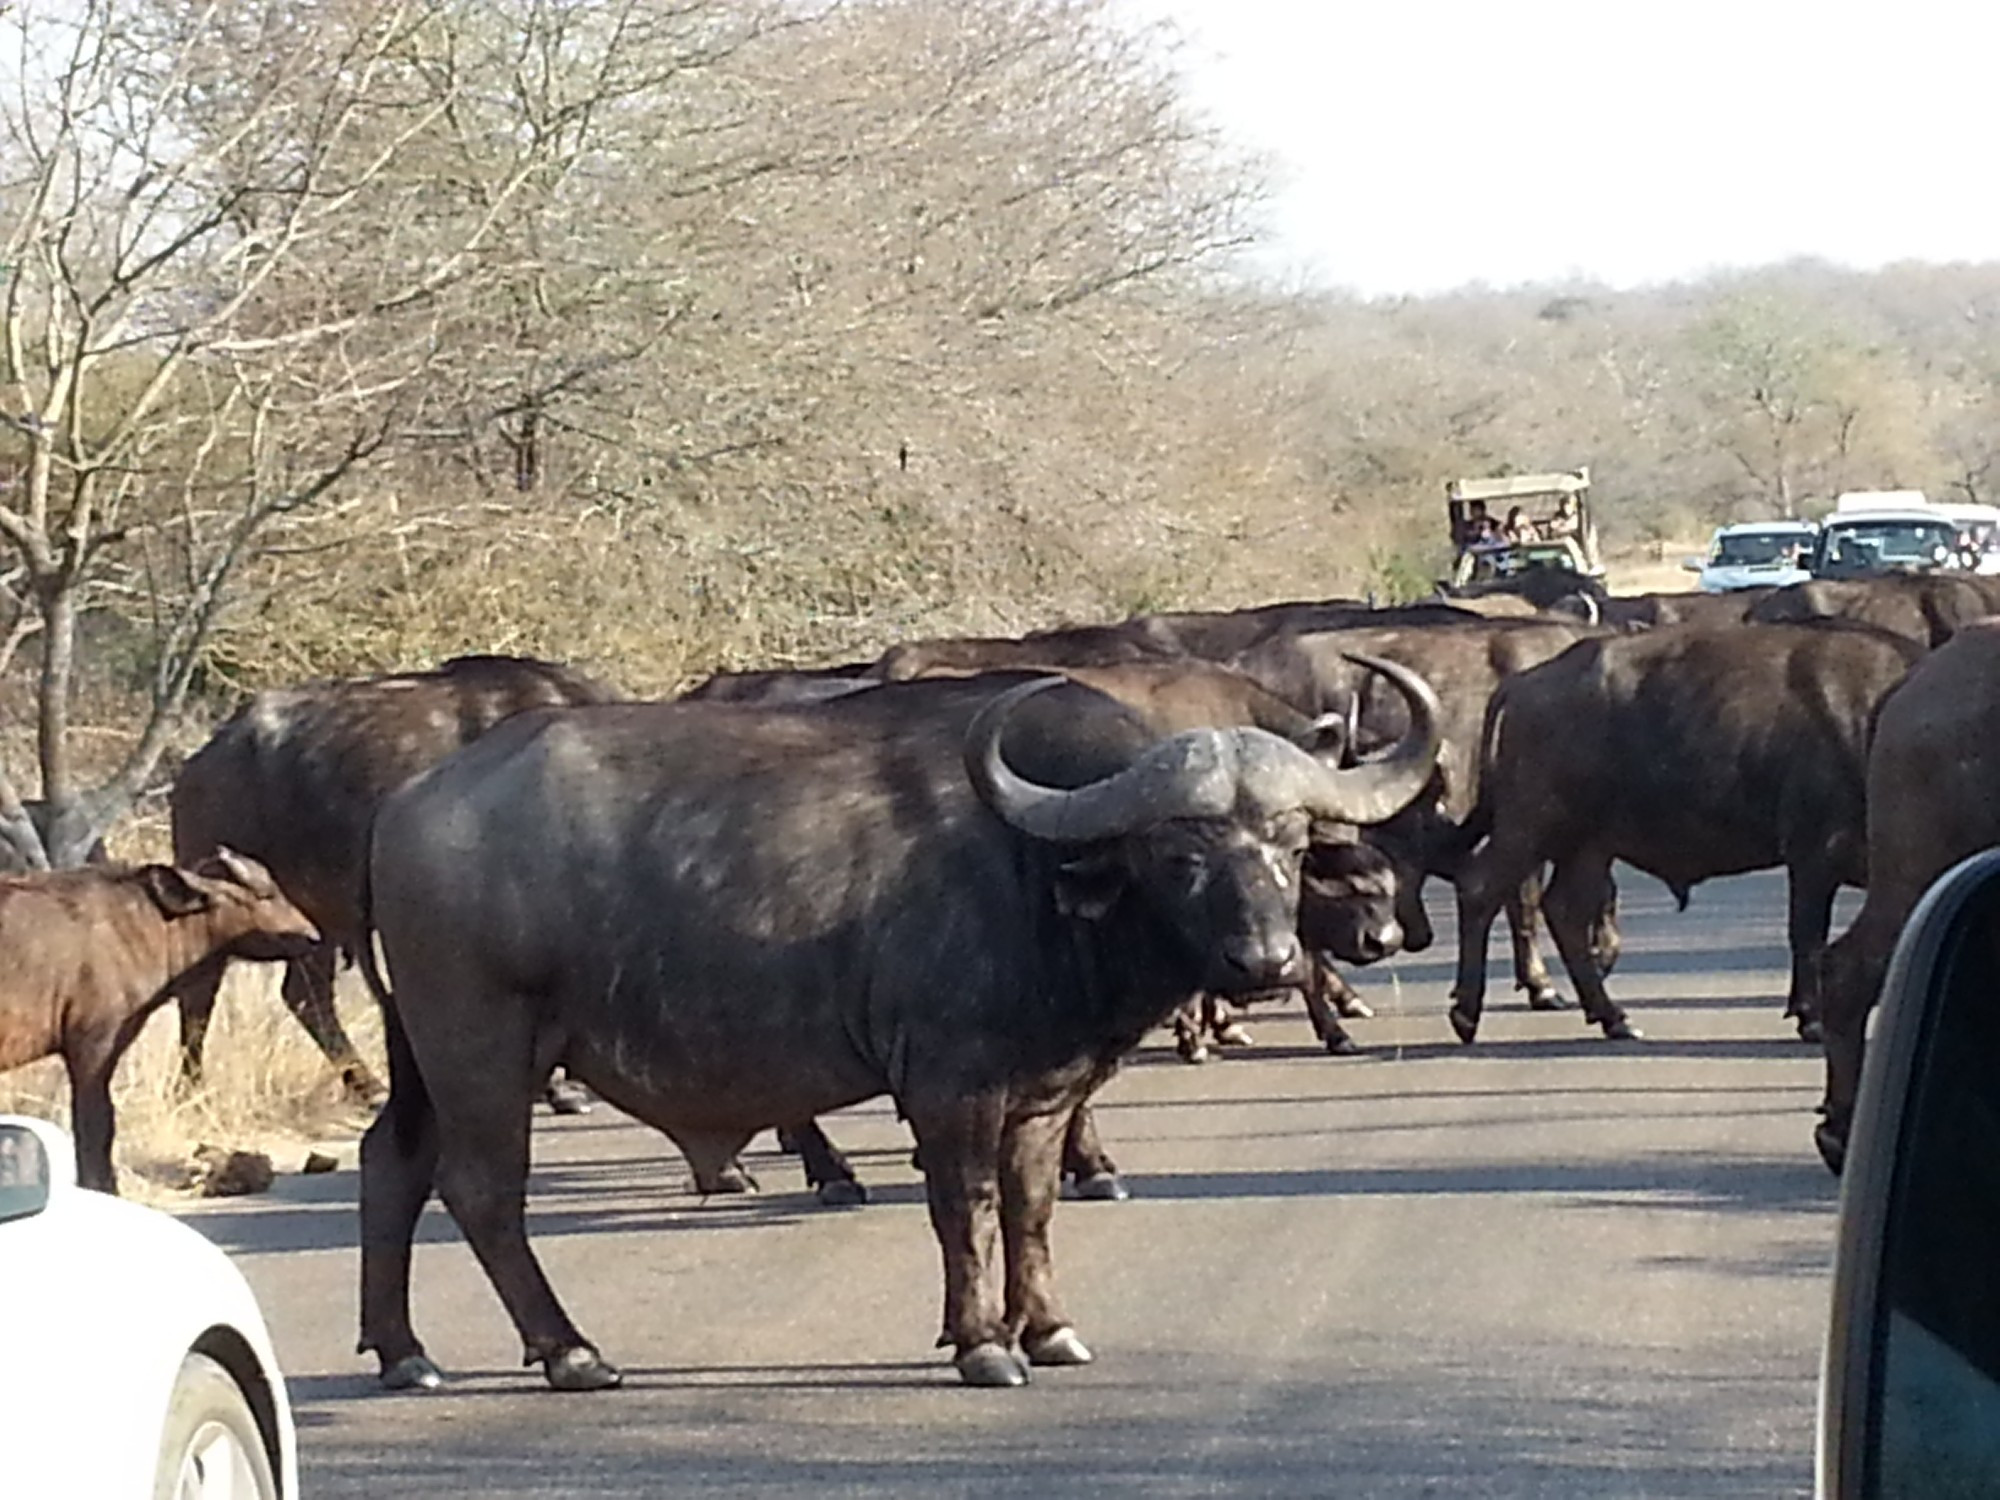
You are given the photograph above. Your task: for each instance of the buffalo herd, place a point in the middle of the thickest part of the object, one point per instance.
(972, 874)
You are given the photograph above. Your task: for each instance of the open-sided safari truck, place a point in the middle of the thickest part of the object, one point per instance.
(1502, 527)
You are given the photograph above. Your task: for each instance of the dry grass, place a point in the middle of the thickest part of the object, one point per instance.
(267, 1089)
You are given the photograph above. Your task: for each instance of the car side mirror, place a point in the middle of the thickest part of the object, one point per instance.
(1693, 564)
(27, 1165)
(1910, 1390)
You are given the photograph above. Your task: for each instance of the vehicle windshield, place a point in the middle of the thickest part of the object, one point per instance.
(1891, 544)
(1758, 549)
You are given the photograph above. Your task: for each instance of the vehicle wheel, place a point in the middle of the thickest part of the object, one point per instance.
(211, 1445)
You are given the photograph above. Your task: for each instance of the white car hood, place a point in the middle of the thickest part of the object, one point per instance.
(1721, 580)
(106, 1300)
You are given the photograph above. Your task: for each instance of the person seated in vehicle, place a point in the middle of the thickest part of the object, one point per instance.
(1519, 529)
(1565, 522)
(1478, 527)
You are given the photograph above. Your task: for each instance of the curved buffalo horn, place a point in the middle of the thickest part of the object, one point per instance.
(1313, 738)
(1592, 615)
(1202, 773)
(1191, 775)
(1379, 788)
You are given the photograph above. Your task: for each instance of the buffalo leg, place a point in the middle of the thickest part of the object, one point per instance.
(89, 1062)
(1605, 943)
(1324, 989)
(1524, 918)
(90, 1057)
(828, 1171)
(1086, 1163)
(398, 1168)
(308, 994)
(1809, 914)
(1573, 900)
(482, 1175)
(1221, 1019)
(1030, 1179)
(1190, 1038)
(1851, 975)
(1484, 882)
(195, 998)
(565, 1096)
(960, 1143)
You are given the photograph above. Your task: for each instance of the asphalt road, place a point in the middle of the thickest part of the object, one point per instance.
(1543, 1266)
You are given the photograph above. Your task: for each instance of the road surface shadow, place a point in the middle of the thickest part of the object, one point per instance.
(1155, 1423)
(1665, 1181)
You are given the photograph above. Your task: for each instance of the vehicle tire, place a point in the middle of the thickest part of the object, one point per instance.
(211, 1444)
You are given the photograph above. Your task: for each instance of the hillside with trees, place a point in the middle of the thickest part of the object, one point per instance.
(348, 334)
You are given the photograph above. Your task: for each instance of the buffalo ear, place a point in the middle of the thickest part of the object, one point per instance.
(1089, 887)
(173, 892)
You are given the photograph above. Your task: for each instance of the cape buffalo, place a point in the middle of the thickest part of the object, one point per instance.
(1933, 765)
(1464, 663)
(1213, 635)
(726, 919)
(92, 953)
(293, 778)
(791, 685)
(1690, 754)
(1927, 608)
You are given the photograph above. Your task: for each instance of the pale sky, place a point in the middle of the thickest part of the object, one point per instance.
(1424, 144)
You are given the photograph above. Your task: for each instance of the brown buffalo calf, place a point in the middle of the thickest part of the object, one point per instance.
(92, 953)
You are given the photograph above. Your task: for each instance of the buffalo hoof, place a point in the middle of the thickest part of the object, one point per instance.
(1101, 1187)
(581, 1369)
(1197, 1054)
(842, 1192)
(1832, 1147)
(1622, 1030)
(1356, 1009)
(1232, 1035)
(991, 1365)
(1059, 1346)
(1811, 1031)
(731, 1179)
(413, 1372)
(1467, 1026)
(1341, 1045)
(1546, 997)
(566, 1098)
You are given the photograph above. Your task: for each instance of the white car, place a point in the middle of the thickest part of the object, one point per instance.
(1755, 554)
(139, 1364)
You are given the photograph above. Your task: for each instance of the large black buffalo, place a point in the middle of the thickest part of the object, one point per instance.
(1689, 754)
(1933, 765)
(1928, 608)
(1464, 663)
(726, 919)
(1213, 635)
(292, 779)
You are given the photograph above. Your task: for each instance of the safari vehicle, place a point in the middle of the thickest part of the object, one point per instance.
(1975, 529)
(1868, 543)
(1910, 1390)
(1553, 526)
(1754, 554)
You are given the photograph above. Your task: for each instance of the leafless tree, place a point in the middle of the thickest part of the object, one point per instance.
(244, 246)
